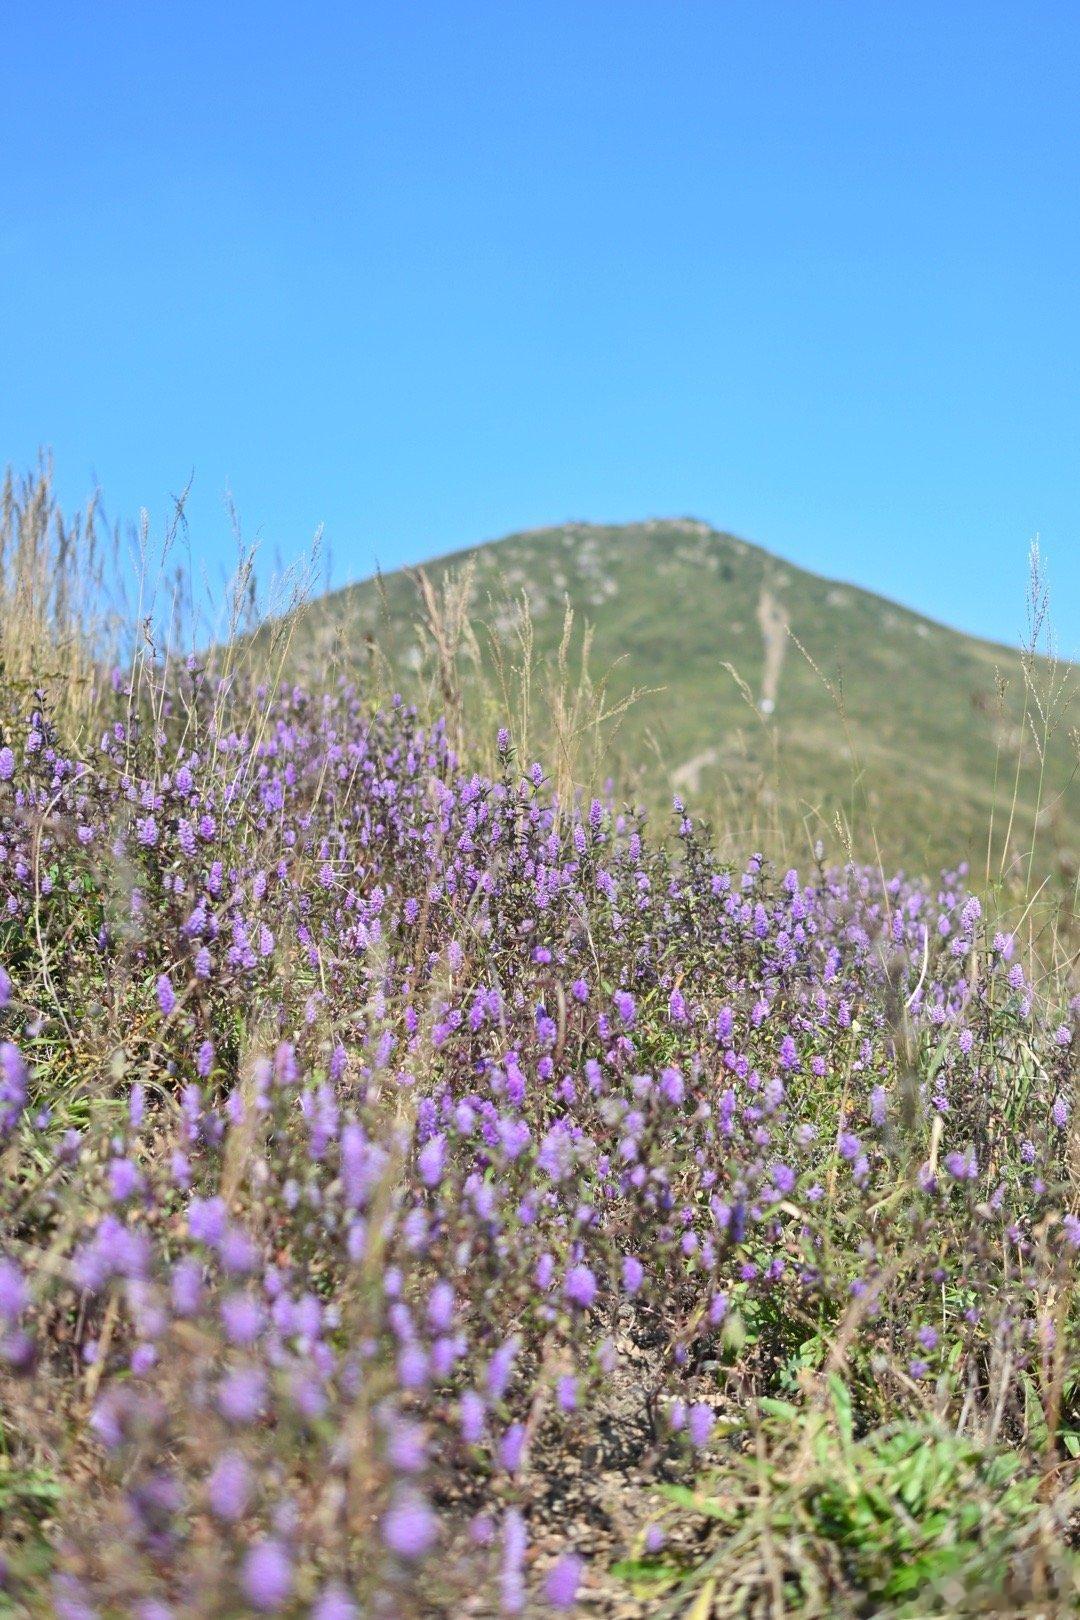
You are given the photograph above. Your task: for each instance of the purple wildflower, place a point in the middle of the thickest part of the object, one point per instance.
(266, 1576)
(580, 1287)
(563, 1580)
(409, 1527)
(229, 1486)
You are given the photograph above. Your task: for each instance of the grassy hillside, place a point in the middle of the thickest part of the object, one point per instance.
(908, 730)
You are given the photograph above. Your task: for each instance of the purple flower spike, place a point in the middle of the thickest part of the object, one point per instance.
(580, 1287)
(14, 1295)
(563, 1581)
(409, 1527)
(624, 1005)
(700, 1422)
(229, 1486)
(334, 1603)
(512, 1447)
(266, 1576)
(14, 1085)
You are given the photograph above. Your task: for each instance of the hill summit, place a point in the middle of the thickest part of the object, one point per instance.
(774, 697)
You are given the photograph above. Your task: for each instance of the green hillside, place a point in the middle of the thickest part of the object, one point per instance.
(902, 727)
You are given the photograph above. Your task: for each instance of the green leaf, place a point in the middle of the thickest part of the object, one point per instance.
(643, 1571)
(707, 1505)
(780, 1409)
(842, 1406)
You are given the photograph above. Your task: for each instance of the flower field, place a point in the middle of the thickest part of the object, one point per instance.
(421, 1196)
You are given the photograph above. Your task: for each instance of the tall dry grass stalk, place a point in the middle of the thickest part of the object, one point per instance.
(562, 711)
(445, 625)
(56, 627)
(77, 605)
(555, 707)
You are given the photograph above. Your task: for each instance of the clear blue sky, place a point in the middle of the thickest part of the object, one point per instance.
(425, 273)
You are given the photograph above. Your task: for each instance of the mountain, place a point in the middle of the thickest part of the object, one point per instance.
(837, 701)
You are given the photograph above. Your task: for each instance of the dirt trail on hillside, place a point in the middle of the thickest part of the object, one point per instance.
(687, 777)
(773, 622)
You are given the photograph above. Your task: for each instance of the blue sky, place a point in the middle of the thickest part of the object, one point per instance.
(424, 273)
